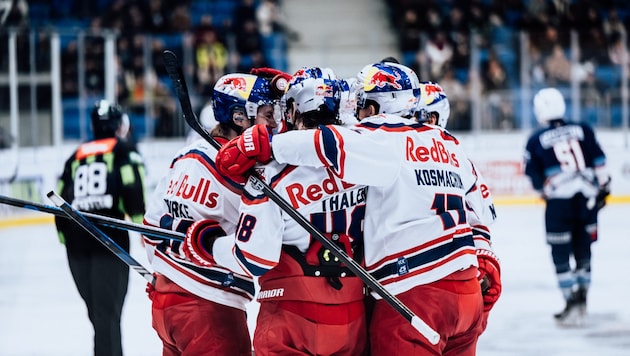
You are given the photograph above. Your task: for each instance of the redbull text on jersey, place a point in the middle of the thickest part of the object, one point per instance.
(301, 195)
(437, 153)
(199, 193)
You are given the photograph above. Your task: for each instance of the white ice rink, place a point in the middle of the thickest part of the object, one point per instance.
(41, 313)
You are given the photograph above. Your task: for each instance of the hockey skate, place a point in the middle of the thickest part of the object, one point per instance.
(574, 312)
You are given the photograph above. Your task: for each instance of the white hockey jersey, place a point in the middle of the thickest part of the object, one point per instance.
(194, 190)
(266, 232)
(423, 199)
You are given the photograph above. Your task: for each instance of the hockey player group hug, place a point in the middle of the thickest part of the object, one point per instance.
(368, 162)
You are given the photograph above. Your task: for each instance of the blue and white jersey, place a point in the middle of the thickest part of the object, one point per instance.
(564, 159)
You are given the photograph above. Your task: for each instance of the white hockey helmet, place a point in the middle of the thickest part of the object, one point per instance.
(394, 88)
(433, 100)
(312, 90)
(548, 105)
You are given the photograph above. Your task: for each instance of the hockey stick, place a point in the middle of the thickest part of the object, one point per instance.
(177, 77)
(98, 219)
(80, 219)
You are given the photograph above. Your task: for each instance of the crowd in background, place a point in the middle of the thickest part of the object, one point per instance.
(435, 39)
(225, 35)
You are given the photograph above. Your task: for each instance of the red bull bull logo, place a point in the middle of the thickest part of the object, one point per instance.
(299, 75)
(324, 90)
(432, 89)
(382, 79)
(237, 83)
(432, 93)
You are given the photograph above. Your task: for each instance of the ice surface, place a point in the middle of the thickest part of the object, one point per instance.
(41, 312)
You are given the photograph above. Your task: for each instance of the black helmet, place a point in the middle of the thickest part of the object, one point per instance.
(106, 119)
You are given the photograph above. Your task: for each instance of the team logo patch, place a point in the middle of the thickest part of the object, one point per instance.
(229, 280)
(402, 266)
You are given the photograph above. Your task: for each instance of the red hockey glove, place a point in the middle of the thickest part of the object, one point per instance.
(489, 277)
(200, 236)
(241, 154)
(278, 79)
(268, 72)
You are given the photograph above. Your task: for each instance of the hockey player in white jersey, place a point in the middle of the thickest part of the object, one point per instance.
(310, 303)
(418, 242)
(434, 109)
(198, 307)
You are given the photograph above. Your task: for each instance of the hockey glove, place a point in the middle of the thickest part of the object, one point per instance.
(200, 236)
(240, 154)
(602, 194)
(489, 277)
(278, 80)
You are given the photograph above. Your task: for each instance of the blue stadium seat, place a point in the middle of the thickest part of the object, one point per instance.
(71, 118)
(615, 115)
(409, 58)
(172, 41)
(138, 125)
(461, 74)
(609, 75)
(39, 14)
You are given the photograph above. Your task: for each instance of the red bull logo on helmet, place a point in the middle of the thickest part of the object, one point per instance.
(432, 93)
(324, 90)
(243, 85)
(299, 76)
(381, 79)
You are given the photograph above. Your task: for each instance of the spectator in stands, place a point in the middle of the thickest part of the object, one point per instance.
(245, 11)
(180, 20)
(271, 20)
(494, 76)
(409, 32)
(439, 52)
(458, 97)
(461, 50)
(495, 84)
(558, 67)
(248, 40)
(211, 58)
(157, 17)
(594, 48)
(617, 50)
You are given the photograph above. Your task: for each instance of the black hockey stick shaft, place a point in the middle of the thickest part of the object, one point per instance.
(176, 75)
(100, 236)
(97, 219)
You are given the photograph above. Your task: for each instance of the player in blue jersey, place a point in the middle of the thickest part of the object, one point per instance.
(567, 167)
